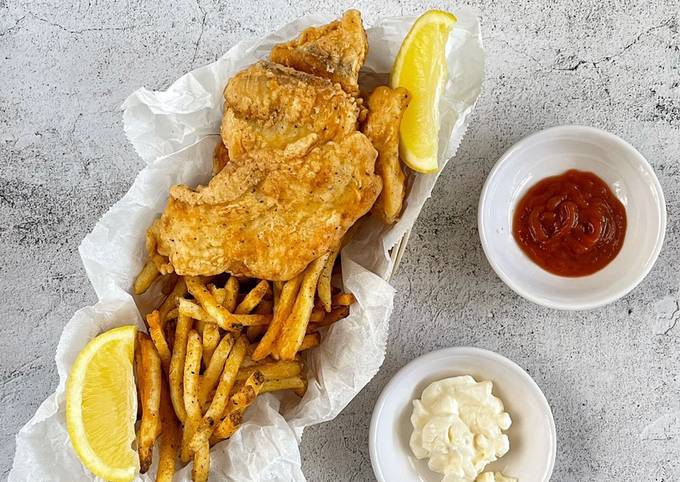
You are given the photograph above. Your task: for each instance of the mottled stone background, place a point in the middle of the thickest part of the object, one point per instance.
(611, 375)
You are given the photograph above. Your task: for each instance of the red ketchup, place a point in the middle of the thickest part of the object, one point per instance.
(571, 224)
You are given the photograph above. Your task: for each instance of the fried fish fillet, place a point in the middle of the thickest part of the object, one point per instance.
(269, 106)
(220, 157)
(267, 216)
(299, 173)
(385, 109)
(335, 51)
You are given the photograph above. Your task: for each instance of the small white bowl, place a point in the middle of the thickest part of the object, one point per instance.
(552, 152)
(533, 442)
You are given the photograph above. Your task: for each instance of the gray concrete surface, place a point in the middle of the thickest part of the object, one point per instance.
(611, 375)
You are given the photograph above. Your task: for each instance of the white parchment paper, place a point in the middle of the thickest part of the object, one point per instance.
(175, 132)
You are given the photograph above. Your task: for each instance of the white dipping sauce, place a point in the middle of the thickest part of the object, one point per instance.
(458, 424)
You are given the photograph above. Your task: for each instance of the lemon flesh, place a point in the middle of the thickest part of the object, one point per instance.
(420, 67)
(101, 405)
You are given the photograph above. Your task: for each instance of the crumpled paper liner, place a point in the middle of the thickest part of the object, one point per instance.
(175, 132)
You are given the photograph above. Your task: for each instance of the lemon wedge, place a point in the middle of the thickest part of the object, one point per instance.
(101, 405)
(420, 67)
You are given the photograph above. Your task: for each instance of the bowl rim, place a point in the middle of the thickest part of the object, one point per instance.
(572, 306)
(444, 353)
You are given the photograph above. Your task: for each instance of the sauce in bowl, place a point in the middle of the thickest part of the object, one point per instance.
(571, 224)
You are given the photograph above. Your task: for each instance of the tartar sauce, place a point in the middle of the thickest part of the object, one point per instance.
(458, 424)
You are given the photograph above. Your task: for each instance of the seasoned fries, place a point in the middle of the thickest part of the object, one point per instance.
(218, 312)
(231, 293)
(212, 378)
(294, 383)
(150, 381)
(211, 337)
(170, 438)
(280, 369)
(214, 370)
(238, 404)
(146, 277)
(253, 298)
(153, 319)
(191, 309)
(343, 299)
(201, 468)
(310, 341)
(282, 310)
(176, 372)
(294, 329)
(324, 285)
(213, 416)
(170, 302)
(192, 366)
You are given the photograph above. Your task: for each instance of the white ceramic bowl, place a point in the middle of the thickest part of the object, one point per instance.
(532, 434)
(552, 152)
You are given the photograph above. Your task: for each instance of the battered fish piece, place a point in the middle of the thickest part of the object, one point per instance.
(335, 51)
(385, 109)
(266, 216)
(299, 173)
(220, 158)
(269, 106)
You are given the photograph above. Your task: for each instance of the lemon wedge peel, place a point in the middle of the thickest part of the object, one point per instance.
(421, 68)
(112, 351)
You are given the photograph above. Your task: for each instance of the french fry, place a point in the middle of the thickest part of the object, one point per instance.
(295, 383)
(212, 373)
(191, 309)
(271, 371)
(153, 319)
(256, 331)
(296, 325)
(192, 366)
(239, 402)
(282, 310)
(228, 426)
(336, 314)
(198, 326)
(213, 416)
(150, 380)
(310, 341)
(211, 337)
(343, 299)
(253, 298)
(324, 284)
(231, 289)
(317, 316)
(172, 314)
(170, 438)
(220, 314)
(266, 307)
(146, 277)
(170, 302)
(138, 367)
(201, 468)
(219, 293)
(176, 372)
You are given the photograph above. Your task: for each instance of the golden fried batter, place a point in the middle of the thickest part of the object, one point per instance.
(385, 109)
(335, 51)
(271, 106)
(268, 217)
(298, 175)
